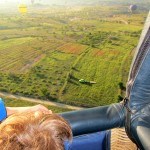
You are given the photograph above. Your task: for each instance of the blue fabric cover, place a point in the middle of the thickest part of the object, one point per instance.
(3, 113)
(94, 141)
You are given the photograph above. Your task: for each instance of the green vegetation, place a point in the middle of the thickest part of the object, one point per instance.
(45, 53)
(20, 103)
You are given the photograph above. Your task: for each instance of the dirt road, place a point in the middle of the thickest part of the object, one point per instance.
(40, 101)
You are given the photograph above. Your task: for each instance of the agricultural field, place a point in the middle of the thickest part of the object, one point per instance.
(44, 53)
(20, 103)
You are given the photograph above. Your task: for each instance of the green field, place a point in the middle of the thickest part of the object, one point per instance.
(44, 53)
(20, 103)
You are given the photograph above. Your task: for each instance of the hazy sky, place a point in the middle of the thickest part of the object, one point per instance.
(29, 1)
(13, 1)
(62, 2)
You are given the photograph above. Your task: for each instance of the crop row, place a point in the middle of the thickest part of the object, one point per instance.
(72, 48)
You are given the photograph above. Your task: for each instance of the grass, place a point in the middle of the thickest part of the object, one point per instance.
(21, 103)
(44, 55)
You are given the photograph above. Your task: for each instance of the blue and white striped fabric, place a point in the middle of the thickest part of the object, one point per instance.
(3, 113)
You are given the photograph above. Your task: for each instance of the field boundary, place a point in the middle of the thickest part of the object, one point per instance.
(70, 72)
(50, 103)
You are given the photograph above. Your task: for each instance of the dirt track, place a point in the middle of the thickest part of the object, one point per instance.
(40, 101)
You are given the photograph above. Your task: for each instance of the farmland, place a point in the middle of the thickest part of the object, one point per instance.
(20, 103)
(44, 53)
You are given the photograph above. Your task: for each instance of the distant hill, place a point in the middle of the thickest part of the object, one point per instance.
(87, 2)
